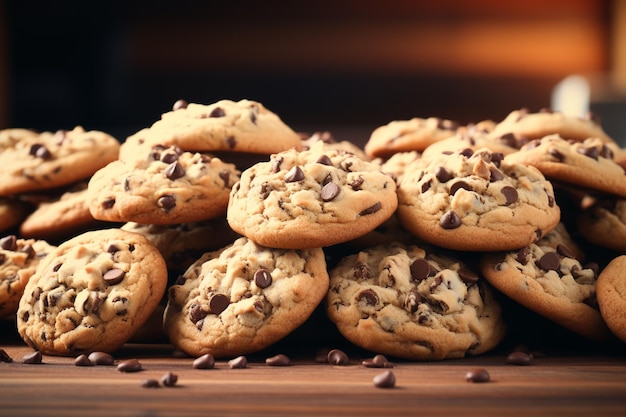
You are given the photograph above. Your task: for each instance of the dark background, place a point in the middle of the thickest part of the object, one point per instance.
(344, 66)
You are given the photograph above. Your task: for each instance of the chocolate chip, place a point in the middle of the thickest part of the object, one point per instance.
(206, 361)
(33, 358)
(420, 269)
(550, 261)
(443, 175)
(361, 271)
(329, 191)
(150, 383)
(606, 152)
(174, 170)
(495, 175)
(169, 157)
(467, 276)
(324, 160)
(519, 358)
(295, 174)
(217, 112)
(510, 194)
(357, 183)
(239, 362)
(169, 379)
(372, 209)
(262, 278)
(166, 202)
(108, 203)
(196, 313)
(337, 357)
(450, 220)
(276, 163)
(591, 152)
(467, 152)
(412, 301)
(232, 142)
(225, 176)
(385, 380)
(82, 360)
(378, 361)
(29, 251)
(101, 358)
(113, 276)
(4, 356)
(556, 154)
(477, 375)
(129, 365)
(180, 104)
(9, 243)
(218, 303)
(112, 249)
(369, 296)
(426, 186)
(40, 151)
(458, 185)
(565, 251)
(278, 360)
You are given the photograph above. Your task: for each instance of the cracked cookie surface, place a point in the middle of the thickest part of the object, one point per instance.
(91, 293)
(243, 298)
(412, 303)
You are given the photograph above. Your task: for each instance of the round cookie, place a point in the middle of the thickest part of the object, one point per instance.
(244, 298)
(413, 303)
(226, 125)
(476, 201)
(552, 283)
(91, 293)
(604, 223)
(167, 186)
(524, 123)
(12, 212)
(18, 260)
(611, 295)
(63, 216)
(51, 160)
(588, 163)
(415, 134)
(309, 199)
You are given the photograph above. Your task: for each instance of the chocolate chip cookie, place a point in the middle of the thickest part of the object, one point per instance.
(91, 293)
(49, 160)
(18, 260)
(604, 223)
(551, 282)
(413, 303)
(244, 298)
(167, 186)
(611, 295)
(476, 201)
(314, 198)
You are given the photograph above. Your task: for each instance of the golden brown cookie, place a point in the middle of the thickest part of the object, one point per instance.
(611, 295)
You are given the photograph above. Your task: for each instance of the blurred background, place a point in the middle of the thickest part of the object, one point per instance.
(346, 66)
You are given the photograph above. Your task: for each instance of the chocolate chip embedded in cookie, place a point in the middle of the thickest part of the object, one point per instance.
(415, 134)
(226, 125)
(18, 260)
(413, 303)
(167, 186)
(243, 298)
(49, 160)
(611, 295)
(91, 293)
(475, 201)
(309, 199)
(551, 282)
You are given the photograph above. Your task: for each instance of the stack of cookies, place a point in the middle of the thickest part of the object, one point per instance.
(228, 229)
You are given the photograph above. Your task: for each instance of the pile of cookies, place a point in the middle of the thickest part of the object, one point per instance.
(228, 230)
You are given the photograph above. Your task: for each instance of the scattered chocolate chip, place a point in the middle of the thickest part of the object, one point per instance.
(150, 383)
(369, 296)
(196, 313)
(169, 158)
(329, 191)
(276, 163)
(206, 361)
(324, 160)
(129, 365)
(33, 358)
(169, 379)
(113, 276)
(218, 303)
(101, 358)
(519, 358)
(565, 251)
(217, 112)
(420, 269)
(9, 243)
(450, 220)
(262, 278)
(166, 202)
(40, 151)
(372, 209)
(510, 194)
(278, 360)
(591, 152)
(385, 380)
(174, 170)
(378, 361)
(426, 186)
(443, 175)
(467, 276)
(4, 356)
(225, 176)
(239, 362)
(232, 142)
(82, 360)
(337, 357)
(495, 175)
(550, 261)
(180, 104)
(458, 185)
(108, 203)
(467, 152)
(295, 174)
(357, 183)
(556, 154)
(477, 375)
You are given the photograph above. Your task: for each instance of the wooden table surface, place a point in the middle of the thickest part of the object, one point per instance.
(567, 378)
